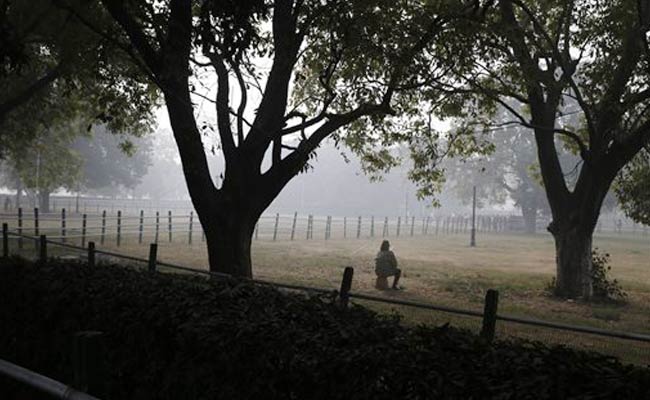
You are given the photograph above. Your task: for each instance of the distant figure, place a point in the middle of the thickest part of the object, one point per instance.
(385, 266)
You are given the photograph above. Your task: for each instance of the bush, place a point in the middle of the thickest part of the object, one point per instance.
(604, 288)
(173, 337)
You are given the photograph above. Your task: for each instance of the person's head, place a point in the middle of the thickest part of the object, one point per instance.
(385, 245)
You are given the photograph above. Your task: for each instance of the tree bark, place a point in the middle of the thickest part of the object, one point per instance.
(573, 260)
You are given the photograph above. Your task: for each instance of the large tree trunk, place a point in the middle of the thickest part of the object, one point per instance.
(44, 201)
(229, 242)
(573, 262)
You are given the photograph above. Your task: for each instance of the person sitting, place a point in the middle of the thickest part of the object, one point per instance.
(386, 265)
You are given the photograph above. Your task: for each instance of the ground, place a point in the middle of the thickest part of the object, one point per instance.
(444, 270)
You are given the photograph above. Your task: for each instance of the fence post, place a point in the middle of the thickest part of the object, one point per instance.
(384, 231)
(5, 240)
(359, 228)
(157, 226)
(189, 237)
(84, 223)
(346, 285)
(372, 226)
(91, 254)
(119, 227)
(490, 315)
(63, 225)
(141, 227)
(169, 221)
(345, 227)
(153, 255)
(399, 223)
(88, 360)
(293, 226)
(328, 227)
(20, 226)
(103, 235)
(275, 227)
(412, 224)
(43, 249)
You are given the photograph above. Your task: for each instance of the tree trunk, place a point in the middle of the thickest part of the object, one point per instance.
(44, 201)
(573, 262)
(228, 239)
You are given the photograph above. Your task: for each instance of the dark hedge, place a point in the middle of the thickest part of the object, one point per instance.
(172, 337)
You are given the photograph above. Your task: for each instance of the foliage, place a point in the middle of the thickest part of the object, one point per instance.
(181, 337)
(632, 188)
(605, 288)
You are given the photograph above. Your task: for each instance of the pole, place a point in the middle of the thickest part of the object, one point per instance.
(101, 240)
(141, 227)
(83, 230)
(472, 240)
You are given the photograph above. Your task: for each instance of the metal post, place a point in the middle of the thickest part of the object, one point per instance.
(189, 237)
(153, 255)
(119, 227)
(141, 227)
(346, 285)
(275, 227)
(83, 230)
(101, 240)
(63, 225)
(490, 315)
(472, 240)
(91, 254)
(293, 226)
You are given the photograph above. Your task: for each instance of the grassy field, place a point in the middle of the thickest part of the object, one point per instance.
(444, 270)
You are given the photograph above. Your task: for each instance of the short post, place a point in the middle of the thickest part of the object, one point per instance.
(359, 228)
(119, 227)
(5, 240)
(63, 225)
(103, 236)
(399, 224)
(141, 227)
(20, 226)
(345, 227)
(189, 237)
(490, 315)
(412, 224)
(84, 223)
(153, 255)
(275, 227)
(293, 226)
(157, 226)
(88, 363)
(328, 227)
(43, 249)
(346, 285)
(169, 223)
(372, 226)
(384, 231)
(91, 254)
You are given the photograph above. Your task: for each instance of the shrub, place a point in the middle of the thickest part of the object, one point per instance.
(181, 337)
(604, 288)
